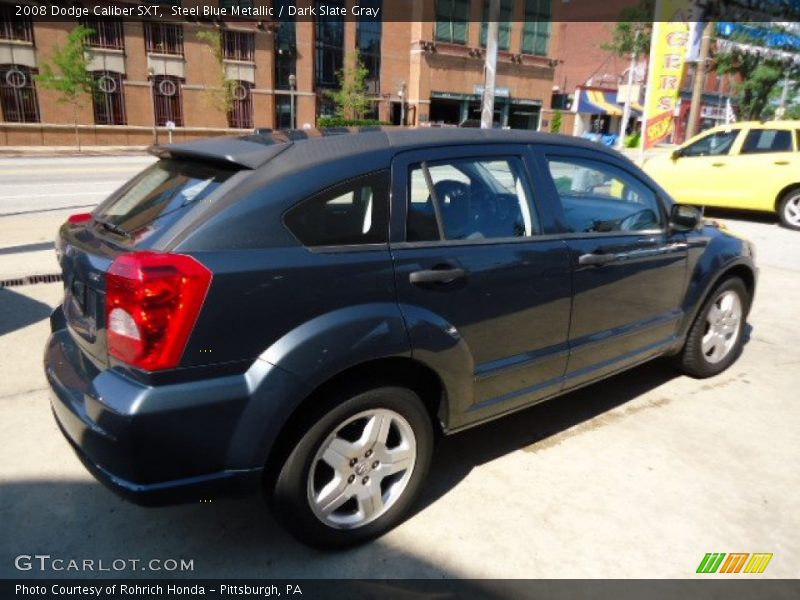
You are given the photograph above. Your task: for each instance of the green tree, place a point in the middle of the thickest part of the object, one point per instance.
(67, 73)
(633, 19)
(351, 99)
(220, 96)
(555, 124)
(758, 75)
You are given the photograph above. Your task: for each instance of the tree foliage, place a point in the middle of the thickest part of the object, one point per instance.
(222, 95)
(758, 75)
(624, 39)
(67, 72)
(351, 98)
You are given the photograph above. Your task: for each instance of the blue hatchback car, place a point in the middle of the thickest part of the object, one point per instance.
(305, 312)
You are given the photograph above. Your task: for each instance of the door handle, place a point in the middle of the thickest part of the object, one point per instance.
(436, 276)
(596, 260)
(781, 162)
(717, 164)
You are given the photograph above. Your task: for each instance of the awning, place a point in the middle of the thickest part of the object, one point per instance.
(604, 102)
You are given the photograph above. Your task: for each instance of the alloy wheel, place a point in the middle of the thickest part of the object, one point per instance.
(361, 469)
(722, 326)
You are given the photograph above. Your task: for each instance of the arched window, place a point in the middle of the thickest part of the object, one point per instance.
(241, 113)
(18, 94)
(168, 100)
(109, 99)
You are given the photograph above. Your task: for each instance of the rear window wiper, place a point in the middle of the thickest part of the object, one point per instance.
(112, 227)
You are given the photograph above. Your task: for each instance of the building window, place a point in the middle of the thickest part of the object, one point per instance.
(368, 40)
(13, 27)
(285, 47)
(504, 26)
(106, 33)
(241, 113)
(452, 18)
(109, 99)
(167, 100)
(229, 5)
(330, 48)
(162, 38)
(18, 91)
(536, 30)
(239, 45)
(283, 112)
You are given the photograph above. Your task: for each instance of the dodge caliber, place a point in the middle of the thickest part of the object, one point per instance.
(304, 313)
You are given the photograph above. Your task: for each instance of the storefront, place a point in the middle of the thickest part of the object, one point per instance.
(599, 114)
(452, 109)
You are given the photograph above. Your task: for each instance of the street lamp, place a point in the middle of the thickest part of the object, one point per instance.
(292, 87)
(402, 94)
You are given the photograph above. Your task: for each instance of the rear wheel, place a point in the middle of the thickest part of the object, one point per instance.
(789, 209)
(357, 469)
(716, 337)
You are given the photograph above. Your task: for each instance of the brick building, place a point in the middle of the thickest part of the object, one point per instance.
(426, 69)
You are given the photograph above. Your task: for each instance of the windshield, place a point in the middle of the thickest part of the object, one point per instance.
(160, 190)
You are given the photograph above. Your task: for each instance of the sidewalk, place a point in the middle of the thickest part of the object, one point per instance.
(39, 151)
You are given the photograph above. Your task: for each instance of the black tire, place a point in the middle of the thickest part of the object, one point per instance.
(793, 197)
(291, 497)
(692, 360)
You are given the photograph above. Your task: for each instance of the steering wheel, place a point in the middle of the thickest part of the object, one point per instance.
(450, 191)
(642, 219)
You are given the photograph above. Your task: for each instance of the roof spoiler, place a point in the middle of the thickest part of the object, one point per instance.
(232, 152)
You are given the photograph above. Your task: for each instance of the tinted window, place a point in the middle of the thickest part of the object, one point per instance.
(160, 190)
(597, 197)
(767, 140)
(476, 199)
(355, 212)
(715, 144)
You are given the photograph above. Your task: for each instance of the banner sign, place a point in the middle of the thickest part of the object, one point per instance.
(668, 50)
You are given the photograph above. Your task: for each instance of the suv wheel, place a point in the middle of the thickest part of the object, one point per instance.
(716, 337)
(357, 469)
(789, 210)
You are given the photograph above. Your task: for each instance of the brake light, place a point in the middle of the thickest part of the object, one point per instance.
(152, 303)
(79, 218)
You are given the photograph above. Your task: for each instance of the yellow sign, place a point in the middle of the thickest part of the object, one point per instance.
(668, 49)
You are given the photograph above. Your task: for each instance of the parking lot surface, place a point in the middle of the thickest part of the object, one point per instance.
(638, 476)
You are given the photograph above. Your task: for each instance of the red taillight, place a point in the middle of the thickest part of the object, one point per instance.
(79, 218)
(152, 303)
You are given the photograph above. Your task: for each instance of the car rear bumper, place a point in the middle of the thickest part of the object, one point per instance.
(152, 445)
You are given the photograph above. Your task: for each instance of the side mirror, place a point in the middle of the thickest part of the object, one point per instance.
(677, 153)
(684, 217)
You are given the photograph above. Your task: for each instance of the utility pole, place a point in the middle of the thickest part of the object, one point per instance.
(626, 110)
(699, 81)
(490, 67)
(781, 110)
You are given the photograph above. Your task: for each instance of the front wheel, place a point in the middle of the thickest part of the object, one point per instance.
(717, 335)
(789, 210)
(357, 469)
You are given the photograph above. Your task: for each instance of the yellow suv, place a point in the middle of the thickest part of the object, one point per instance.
(750, 166)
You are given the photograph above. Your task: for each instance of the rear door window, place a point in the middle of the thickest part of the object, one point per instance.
(759, 141)
(469, 199)
(352, 213)
(164, 188)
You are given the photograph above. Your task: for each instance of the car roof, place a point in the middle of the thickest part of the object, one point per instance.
(312, 146)
(777, 124)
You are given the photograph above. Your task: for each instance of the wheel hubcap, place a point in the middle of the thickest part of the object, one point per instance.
(722, 326)
(792, 210)
(361, 469)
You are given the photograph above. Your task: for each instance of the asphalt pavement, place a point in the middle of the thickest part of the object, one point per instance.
(638, 476)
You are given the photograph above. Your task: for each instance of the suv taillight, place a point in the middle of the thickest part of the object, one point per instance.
(152, 303)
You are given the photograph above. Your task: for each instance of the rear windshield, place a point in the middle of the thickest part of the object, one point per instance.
(160, 190)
